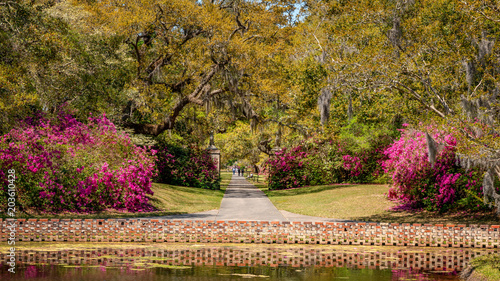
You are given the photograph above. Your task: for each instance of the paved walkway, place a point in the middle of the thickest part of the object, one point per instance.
(244, 201)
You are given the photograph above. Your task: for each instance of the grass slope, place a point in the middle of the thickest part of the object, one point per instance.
(182, 200)
(332, 201)
(365, 202)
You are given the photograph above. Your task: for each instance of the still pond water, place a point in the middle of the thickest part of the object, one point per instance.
(144, 262)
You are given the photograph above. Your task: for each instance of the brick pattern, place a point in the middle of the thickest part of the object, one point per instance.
(334, 233)
(293, 256)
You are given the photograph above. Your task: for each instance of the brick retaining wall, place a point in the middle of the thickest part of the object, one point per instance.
(335, 233)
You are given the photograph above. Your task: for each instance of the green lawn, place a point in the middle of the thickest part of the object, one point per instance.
(339, 201)
(181, 199)
(366, 202)
(225, 179)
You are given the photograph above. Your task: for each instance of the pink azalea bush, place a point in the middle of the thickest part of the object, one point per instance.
(417, 184)
(192, 167)
(62, 164)
(362, 165)
(286, 168)
(352, 164)
(328, 162)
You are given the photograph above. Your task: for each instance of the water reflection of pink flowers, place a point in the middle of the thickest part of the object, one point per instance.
(30, 272)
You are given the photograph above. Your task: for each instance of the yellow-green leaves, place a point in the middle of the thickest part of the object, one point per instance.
(198, 51)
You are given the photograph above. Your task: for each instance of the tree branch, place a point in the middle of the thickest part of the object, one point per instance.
(418, 97)
(168, 123)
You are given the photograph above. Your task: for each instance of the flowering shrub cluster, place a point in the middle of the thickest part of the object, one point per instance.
(65, 165)
(287, 169)
(317, 163)
(187, 167)
(362, 165)
(417, 184)
(352, 164)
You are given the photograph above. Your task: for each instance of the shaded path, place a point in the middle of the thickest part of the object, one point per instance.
(244, 201)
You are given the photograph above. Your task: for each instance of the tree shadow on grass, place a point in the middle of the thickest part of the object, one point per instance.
(188, 189)
(305, 190)
(425, 217)
(102, 215)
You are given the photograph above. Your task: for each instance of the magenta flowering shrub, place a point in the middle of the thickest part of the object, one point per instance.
(352, 164)
(318, 163)
(362, 166)
(286, 168)
(440, 188)
(192, 167)
(64, 165)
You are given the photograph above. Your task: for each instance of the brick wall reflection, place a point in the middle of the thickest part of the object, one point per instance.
(273, 256)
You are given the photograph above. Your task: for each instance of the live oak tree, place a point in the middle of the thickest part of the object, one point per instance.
(348, 39)
(46, 61)
(31, 48)
(199, 53)
(436, 60)
(238, 143)
(449, 61)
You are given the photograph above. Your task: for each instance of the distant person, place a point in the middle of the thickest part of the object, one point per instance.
(238, 170)
(243, 171)
(234, 170)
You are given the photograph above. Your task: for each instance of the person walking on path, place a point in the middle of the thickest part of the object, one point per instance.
(238, 170)
(234, 170)
(242, 171)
